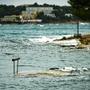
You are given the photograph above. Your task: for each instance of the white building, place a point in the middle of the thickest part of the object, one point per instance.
(45, 10)
(68, 15)
(31, 12)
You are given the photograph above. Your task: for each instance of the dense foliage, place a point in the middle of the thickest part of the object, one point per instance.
(81, 8)
(59, 11)
(10, 10)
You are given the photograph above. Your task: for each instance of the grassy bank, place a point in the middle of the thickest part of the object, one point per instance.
(85, 39)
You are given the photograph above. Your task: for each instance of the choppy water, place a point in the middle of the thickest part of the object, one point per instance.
(29, 42)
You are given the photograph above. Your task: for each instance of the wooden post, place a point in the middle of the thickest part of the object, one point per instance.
(17, 66)
(13, 67)
(78, 19)
(77, 28)
(15, 71)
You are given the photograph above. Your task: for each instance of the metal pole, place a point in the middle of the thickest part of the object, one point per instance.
(78, 19)
(17, 65)
(77, 28)
(13, 67)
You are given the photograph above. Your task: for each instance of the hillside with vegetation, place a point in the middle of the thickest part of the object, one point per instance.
(62, 13)
(10, 10)
(79, 10)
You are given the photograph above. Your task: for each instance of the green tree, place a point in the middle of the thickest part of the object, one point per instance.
(40, 15)
(81, 9)
(19, 9)
(10, 10)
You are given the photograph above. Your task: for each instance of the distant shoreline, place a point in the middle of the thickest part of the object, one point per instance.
(51, 22)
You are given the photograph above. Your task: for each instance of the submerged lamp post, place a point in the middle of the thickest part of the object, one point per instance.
(78, 28)
(14, 69)
(78, 12)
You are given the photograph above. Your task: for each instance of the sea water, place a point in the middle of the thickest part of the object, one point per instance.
(33, 43)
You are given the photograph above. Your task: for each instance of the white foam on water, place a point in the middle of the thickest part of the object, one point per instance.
(84, 23)
(42, 39)
(55, 40)
(41, 25)
(66, 71)
(47, 39)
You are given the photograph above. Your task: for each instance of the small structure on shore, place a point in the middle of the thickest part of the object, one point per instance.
(15, 69)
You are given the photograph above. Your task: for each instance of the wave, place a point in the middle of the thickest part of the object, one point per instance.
(56, 40)
(66, 71)
(47, 39)
(84, 23)
(42, 40)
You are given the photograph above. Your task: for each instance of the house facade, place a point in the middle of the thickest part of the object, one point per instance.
(45, 10)
(31, 12)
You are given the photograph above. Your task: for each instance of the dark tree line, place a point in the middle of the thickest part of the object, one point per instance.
(10, 10)
(81, 8)
(61, 11)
